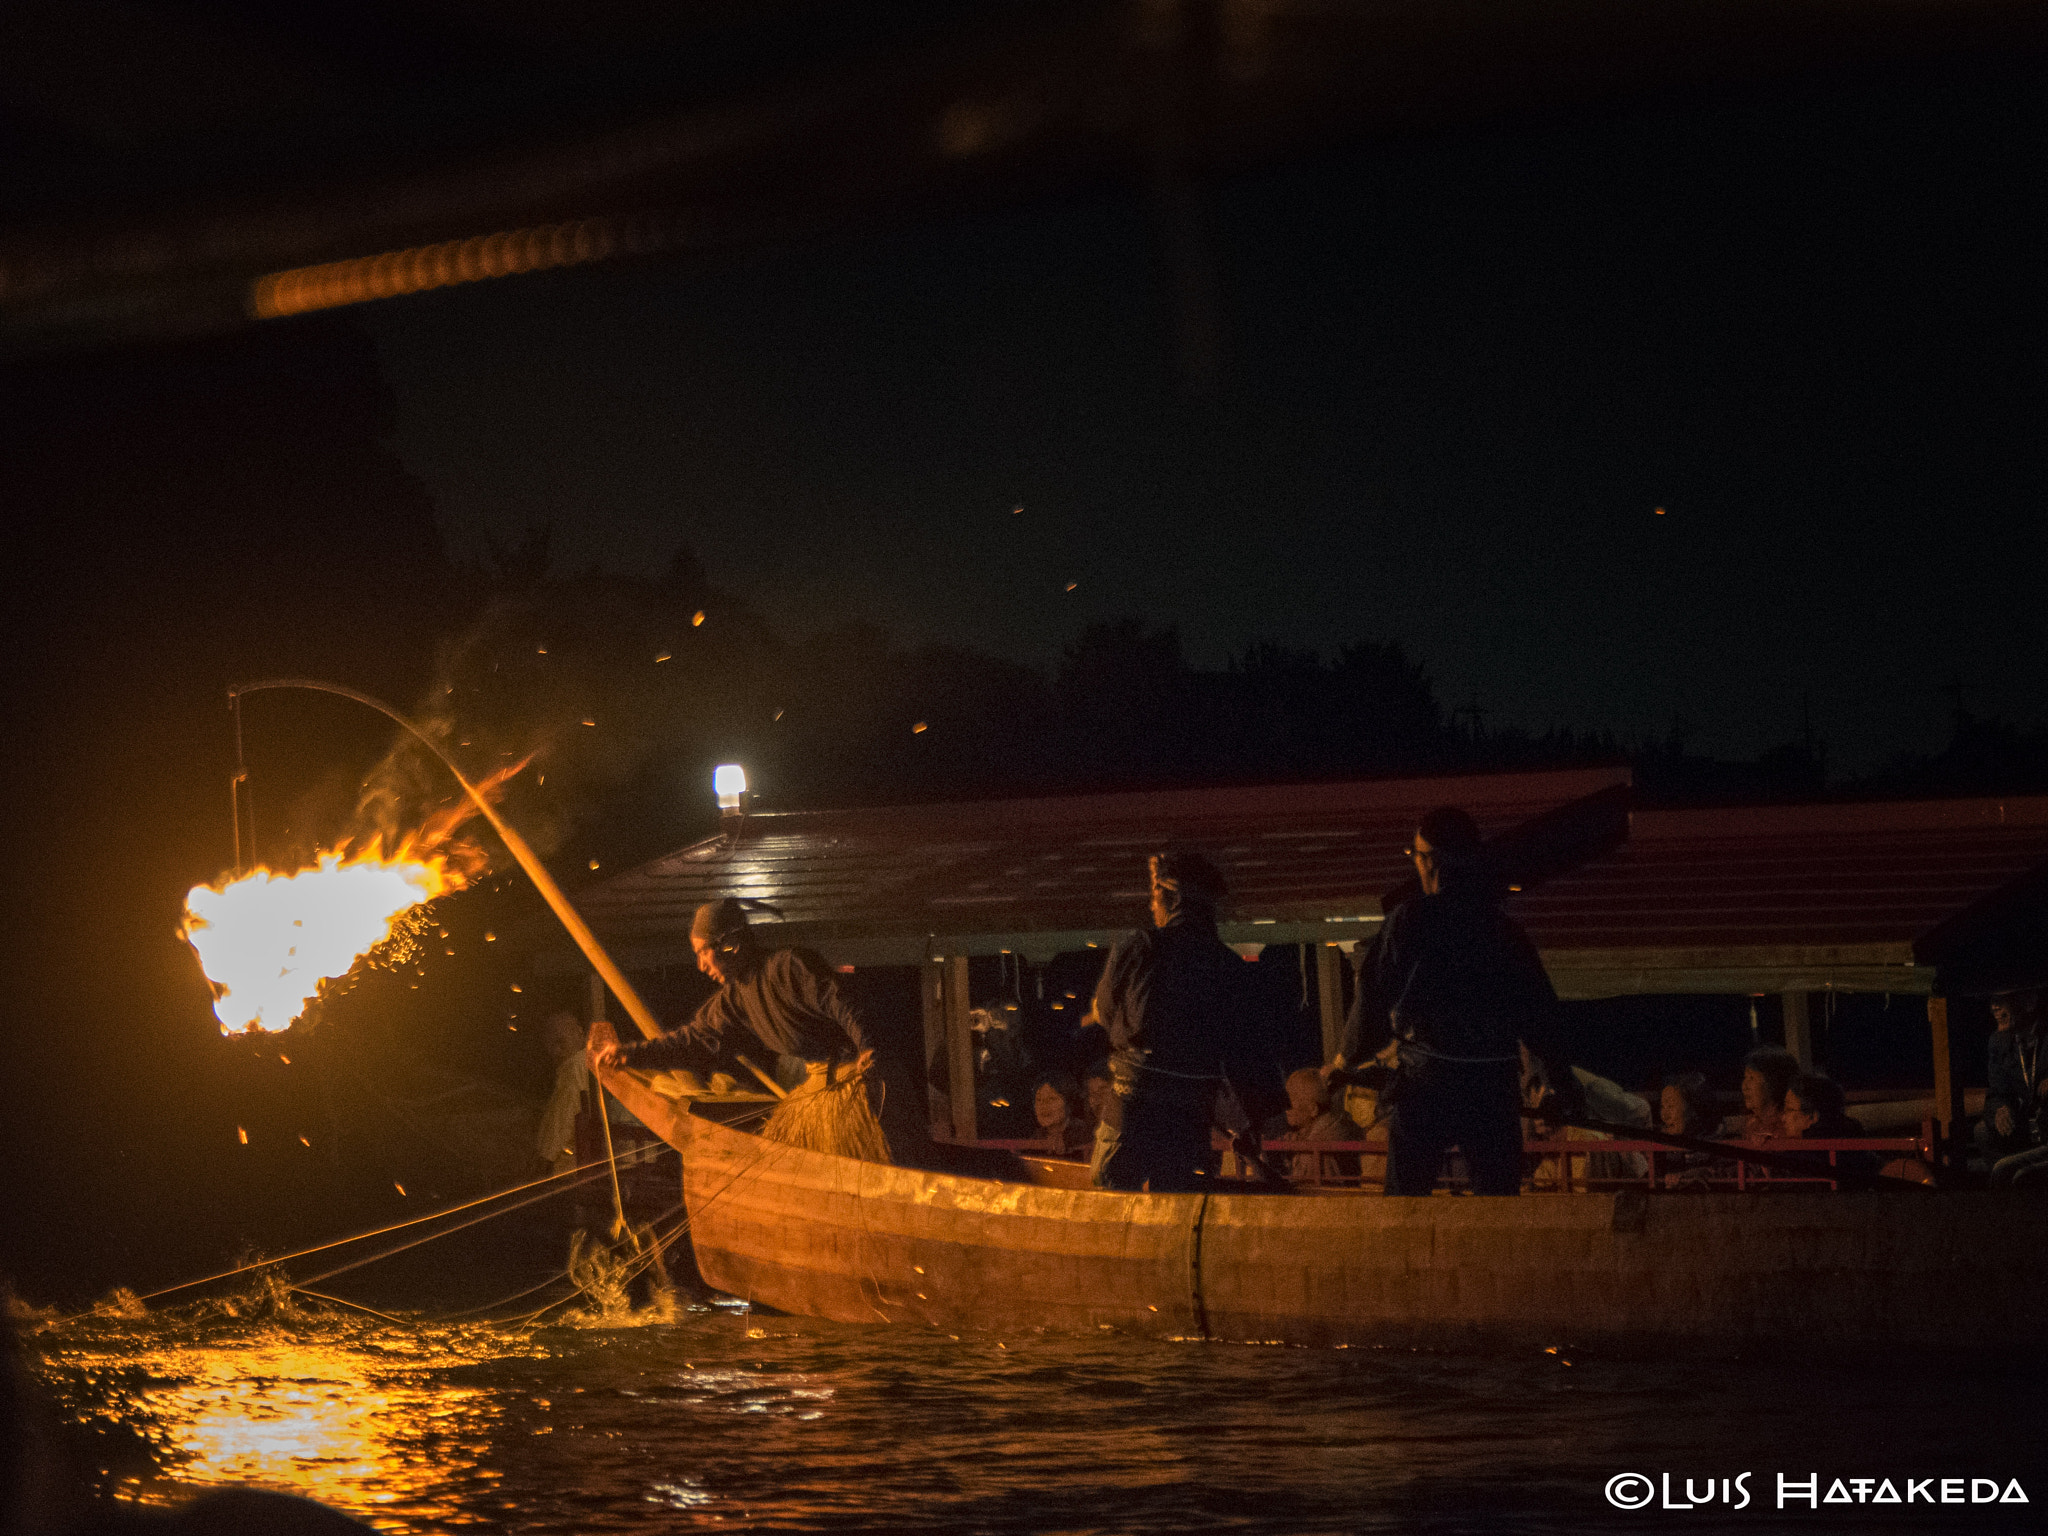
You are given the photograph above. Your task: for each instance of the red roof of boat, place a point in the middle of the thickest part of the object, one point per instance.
(1744, 898)
(1294, 854)
(1808, 875)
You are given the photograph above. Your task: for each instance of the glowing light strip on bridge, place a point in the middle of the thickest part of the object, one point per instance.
(417, 269)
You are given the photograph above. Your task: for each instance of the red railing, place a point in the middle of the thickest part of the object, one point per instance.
(1555, 1173)
(1662, 1166)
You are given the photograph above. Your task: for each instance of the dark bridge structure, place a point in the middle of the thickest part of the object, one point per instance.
(175, 168)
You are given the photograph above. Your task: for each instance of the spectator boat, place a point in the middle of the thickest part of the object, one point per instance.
(1018, 1244)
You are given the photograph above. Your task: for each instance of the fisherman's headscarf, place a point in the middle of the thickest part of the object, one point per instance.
(1187, 881)
(723, 923)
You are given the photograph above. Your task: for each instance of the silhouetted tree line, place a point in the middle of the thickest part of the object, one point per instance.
(676, 674)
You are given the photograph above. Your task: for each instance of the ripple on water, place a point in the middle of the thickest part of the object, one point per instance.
(709, 1419)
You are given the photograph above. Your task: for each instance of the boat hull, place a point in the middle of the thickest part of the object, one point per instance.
(831, 1237)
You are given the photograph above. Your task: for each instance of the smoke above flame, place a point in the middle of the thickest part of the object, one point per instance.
(268, 940)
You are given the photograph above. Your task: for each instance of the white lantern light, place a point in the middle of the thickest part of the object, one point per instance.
(730, 780)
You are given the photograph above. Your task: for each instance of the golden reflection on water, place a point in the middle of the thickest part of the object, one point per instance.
(366, 1428)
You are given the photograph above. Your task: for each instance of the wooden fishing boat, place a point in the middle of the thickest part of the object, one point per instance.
(824, 1236)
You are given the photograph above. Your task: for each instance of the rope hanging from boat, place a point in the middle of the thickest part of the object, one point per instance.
(581, 1176)
(620, 1227)
(448, 1232)
(636, 1267)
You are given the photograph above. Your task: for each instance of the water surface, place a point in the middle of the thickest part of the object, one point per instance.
(680, 1419)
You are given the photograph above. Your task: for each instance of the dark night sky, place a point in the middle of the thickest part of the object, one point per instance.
(1463, 371)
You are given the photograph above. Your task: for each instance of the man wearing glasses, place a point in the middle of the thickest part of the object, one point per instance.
(1461, 988)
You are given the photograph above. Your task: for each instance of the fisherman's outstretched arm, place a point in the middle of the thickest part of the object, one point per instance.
(693, 1046)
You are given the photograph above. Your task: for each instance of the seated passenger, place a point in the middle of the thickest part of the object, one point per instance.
(1311, 1117)
(1363, 1107)
(1062, 1130)
(1096, 1092)
(1767, 1072)
(1686, 1108)
(1815, 1109)
(1605, 1100)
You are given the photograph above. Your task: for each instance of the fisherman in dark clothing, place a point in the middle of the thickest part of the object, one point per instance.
(787, 999)
(1460, 985)
(1181, 1022)
(2016, 1082)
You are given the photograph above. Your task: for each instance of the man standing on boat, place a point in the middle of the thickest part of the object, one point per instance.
(1462, 987)
(787, 999)
(1182, 1022)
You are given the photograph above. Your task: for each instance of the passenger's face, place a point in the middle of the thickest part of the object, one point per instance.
(1362, 1105)
(707, 959)
(1050, 1105)
(2001, 1015)
(1756, 1092)
(1671, 1112)
(1099, 1093)
(1796, 1117)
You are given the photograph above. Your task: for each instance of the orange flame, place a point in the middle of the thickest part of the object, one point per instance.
(269, 939)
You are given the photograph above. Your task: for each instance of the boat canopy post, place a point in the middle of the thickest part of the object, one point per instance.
(931, 994)
(1330, 994)
(1798, 1027)
(1948, 1093)
(948, 1047)
(960, 1094)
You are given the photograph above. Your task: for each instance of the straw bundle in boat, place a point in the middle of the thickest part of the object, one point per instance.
(829, 1112)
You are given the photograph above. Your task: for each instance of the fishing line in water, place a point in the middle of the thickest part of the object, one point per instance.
(503, 1301)
(353, 1306)
(343, 1242)
(589, 1176)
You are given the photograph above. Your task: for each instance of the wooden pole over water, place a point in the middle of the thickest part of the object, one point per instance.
(579, 930)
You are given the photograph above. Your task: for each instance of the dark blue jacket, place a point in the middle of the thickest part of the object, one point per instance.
(1460, 985)
(2013, 1057)
(1179, 1000)
(790, 1001)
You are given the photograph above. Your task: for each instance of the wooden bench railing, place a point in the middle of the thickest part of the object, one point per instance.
(1660, 1162)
